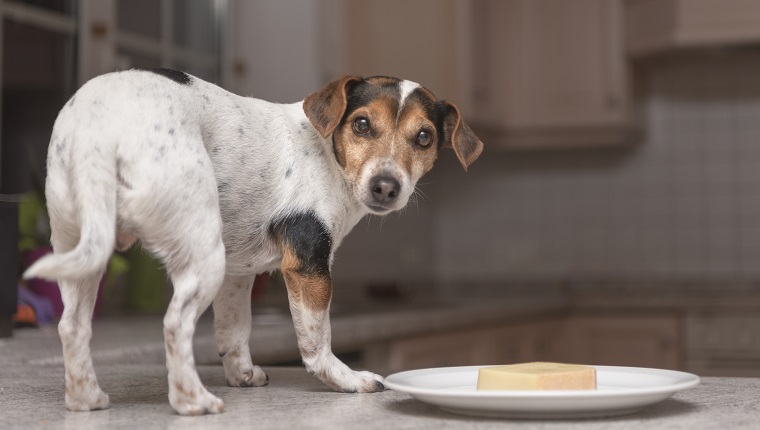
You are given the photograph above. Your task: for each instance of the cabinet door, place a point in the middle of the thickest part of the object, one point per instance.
(460, 348)
(646, 341)
(656, 26)
(504, 344)
(549, 64)
(413, 40)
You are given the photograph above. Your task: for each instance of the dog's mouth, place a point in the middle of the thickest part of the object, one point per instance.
(379, 210)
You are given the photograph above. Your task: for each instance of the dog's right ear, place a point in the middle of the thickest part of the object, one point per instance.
(326, 107)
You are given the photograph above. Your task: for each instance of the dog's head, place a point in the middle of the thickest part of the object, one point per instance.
(386, 134)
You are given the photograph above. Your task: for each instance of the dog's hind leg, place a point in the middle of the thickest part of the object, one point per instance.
(75, 328)
(82, 231)
(187, 236)
(232, 323)
(194, 289)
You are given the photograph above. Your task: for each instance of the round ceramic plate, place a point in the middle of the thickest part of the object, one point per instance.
(620, 391)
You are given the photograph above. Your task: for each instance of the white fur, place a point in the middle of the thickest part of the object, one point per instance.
(406, 88)
(197, 174)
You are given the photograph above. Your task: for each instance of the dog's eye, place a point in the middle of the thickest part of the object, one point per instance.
(424, 138)
(361, 125)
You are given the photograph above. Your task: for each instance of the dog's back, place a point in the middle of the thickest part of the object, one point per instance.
(96, 162)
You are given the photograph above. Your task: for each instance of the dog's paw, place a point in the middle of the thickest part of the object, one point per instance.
(252, 377)
(89, 400)
(367, 382)
(349, 381)
(186, 403)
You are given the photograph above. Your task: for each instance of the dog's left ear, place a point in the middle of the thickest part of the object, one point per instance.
(326, 107)
(459, 136)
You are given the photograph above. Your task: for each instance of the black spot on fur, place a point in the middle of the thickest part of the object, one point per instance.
(288, 172)
(175, 75)
(222, 187)
(215, 150)
(171, 131)
(71, 100)
(307, 236)
(241, 131)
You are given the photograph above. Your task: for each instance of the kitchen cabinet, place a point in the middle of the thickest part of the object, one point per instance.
(627, 340)
(509, 343)
(723, 344)
(550, 73)
(631, 340)
(526, 73)
(419, 44)
(657, 26)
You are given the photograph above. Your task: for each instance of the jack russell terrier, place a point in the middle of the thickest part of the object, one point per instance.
(220, 188)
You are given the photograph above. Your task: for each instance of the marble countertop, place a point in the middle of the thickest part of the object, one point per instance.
(129, 358)
(33, 398)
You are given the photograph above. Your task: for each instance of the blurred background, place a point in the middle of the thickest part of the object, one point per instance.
(621, 172)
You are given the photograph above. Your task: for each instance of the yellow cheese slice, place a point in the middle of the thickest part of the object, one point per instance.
(537, 376)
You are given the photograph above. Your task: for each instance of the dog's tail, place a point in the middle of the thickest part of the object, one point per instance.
(93, 189)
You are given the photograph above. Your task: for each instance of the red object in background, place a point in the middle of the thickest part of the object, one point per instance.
(260, 283)
(25, 315)
(49, 289)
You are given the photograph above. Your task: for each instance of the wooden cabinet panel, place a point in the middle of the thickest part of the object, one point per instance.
(642, 341)
(645, 341)
(723, 345)
(563, 62)
(655, 26)
(413, 40)
(526, 73)
(460, 348)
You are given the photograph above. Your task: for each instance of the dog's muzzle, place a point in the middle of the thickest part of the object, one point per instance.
(385, 191)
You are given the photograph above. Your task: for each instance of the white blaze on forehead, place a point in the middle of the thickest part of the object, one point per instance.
(406, 88)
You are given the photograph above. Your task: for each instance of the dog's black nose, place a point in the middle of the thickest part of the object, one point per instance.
(384, 189)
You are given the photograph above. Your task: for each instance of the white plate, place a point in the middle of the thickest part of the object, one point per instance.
(620, 390)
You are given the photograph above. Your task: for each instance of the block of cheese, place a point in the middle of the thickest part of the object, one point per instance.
(537, 376)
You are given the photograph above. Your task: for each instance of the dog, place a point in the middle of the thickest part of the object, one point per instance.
(220, 188)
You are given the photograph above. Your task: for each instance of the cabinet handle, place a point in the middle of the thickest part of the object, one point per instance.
(99, 29)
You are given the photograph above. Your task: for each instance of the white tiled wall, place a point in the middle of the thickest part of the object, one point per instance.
(682, 205)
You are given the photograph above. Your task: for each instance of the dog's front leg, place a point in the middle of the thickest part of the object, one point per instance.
(309, 298)
(306, 248)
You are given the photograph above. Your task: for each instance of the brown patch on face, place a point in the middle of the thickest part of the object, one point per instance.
(416, 159)
(390, 146)
(354, 150)
(311, 289)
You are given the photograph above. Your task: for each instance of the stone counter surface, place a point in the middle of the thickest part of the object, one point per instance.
(32, 398)
(139, 339)
(129, 358)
